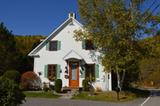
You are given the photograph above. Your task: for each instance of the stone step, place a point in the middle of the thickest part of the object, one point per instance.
(70, 94)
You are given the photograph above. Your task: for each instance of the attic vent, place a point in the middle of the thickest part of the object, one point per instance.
(71, 15)
(71, 24)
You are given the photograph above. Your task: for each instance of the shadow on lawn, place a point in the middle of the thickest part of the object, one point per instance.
(139, 92)
(155, 92)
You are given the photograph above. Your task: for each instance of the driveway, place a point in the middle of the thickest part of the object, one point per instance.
(67, 102)
(154, 99)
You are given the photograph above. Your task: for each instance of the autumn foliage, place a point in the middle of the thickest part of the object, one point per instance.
(30, 81)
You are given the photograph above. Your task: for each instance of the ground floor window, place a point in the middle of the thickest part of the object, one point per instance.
(90, 72)
(52, 72)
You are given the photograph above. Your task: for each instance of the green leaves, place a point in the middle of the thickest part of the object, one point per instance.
(116, 27)
(10, 94)
(24, 44)
(14, 49)
(7, 48)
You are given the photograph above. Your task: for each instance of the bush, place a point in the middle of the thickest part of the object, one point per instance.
(58, 85)
(85, 85)
(10, 94)
(30, 81)
(12, 75)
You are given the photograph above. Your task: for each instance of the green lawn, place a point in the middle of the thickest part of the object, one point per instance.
(40, 94)
(106, 96)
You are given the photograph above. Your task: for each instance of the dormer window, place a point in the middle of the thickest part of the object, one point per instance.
(88, 45)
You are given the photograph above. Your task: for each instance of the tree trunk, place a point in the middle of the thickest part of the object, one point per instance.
(122, 80)
(118, 86)
(118, 81)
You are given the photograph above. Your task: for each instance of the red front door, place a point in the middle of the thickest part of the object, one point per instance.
(73, 74)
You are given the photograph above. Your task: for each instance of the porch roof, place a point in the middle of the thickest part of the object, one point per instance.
(73, 55)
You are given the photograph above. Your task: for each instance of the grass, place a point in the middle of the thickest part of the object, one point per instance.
(106, 96)
(40, 94)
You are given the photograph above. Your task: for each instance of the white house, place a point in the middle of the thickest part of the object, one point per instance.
(60, 56)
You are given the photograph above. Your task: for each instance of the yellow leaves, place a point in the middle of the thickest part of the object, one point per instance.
(80, 35)
(155, 18)
(114, 28)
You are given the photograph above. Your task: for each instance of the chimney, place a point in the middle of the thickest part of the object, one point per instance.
(71, 15)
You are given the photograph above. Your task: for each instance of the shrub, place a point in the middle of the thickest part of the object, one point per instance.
(58, 85)
(85, 84)
(30, 81)
(12, 75)
(10, 93)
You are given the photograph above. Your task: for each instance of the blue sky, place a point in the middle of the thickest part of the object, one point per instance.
(32, 17)
(38, 17)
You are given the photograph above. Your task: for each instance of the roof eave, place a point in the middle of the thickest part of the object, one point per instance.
(32, 53)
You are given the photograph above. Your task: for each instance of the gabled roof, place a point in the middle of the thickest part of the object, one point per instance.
(72, 55)
(53, 34)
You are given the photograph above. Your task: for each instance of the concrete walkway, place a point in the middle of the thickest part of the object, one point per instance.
(68, 95)
(65, 96)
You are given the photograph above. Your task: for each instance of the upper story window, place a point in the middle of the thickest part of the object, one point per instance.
(88, 45)
(53, 45)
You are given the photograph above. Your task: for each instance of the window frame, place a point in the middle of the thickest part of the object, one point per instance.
(50, 44)
(52, 67)
(90, 70)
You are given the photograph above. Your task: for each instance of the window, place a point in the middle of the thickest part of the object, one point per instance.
(52, 72)
(74, 71)
(90, 72)
(88, 45)
(53, 45)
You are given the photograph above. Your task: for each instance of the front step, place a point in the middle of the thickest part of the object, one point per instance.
(69, 94)
(66, 89)
(75, 92)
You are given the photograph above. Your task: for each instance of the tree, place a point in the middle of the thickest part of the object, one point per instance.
(10, 94)
(116, 26)
(13, 75)
(24, 45)
(149, 66)
(14, 49)
(7, 49)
